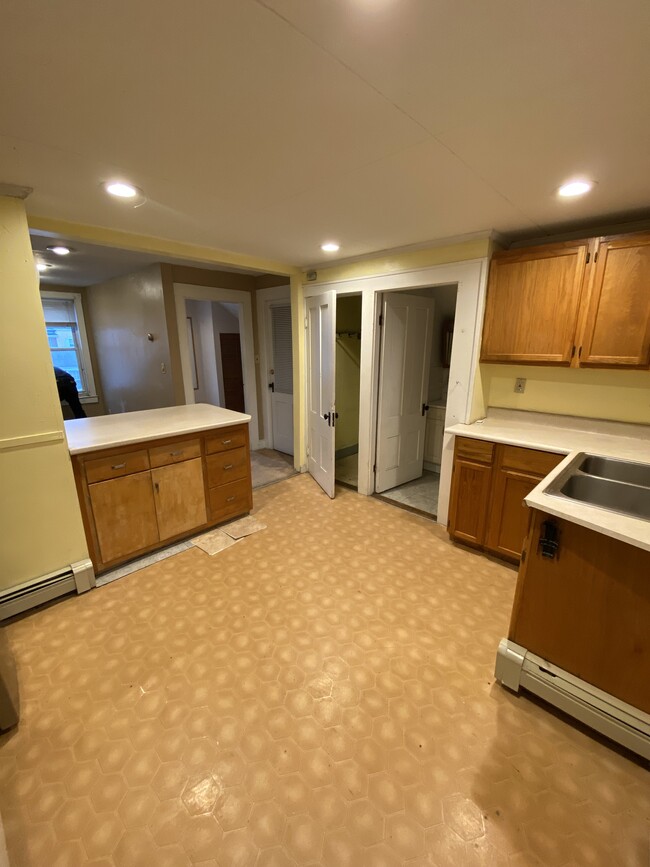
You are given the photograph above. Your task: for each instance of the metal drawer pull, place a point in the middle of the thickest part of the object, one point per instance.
(228, 467)
(118, 466)
(225, 442)
(229, 499)
(175, 454)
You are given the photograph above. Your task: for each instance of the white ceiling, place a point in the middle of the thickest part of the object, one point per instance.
(267, 126)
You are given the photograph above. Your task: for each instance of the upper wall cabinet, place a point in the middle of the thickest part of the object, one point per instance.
(581, 303)
(616, 325)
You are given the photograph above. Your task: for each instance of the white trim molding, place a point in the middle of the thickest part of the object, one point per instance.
(471, 278)
(187, 291)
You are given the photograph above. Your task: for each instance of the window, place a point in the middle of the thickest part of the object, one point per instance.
(66, 335)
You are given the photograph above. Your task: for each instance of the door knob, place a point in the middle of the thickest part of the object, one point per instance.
(425, 408)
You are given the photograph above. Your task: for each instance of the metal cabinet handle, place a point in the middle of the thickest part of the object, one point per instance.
(228, 467)
(229, 499)
(225, 442)
(175, 454)
(118, 466)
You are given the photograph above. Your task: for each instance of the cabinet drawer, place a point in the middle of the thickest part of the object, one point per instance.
(175, 452)
(474, 450)
(227, 466)
(113, 467)
(229, 438)
(231, 499)
(529, 460)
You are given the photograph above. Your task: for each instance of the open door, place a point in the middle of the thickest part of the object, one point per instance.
(321, 337)
(281, 384)
(403, 385)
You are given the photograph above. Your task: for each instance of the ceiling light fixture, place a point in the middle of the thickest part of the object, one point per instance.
(42, 266)
(60, 249)
(574, 188)
(330, 247)
(122, 190)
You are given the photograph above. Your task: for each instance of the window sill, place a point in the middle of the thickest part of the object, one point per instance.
(89, 399)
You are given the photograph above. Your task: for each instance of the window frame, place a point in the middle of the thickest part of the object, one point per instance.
(89, 394)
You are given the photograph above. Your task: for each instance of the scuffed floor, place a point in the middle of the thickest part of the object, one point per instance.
(320, 693)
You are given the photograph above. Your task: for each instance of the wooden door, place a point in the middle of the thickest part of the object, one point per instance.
(179, 497)
(231, 369)
(532, 304)
(617, 318)
(124, 514)
(470, 496)
(587, 610)
(405, 361)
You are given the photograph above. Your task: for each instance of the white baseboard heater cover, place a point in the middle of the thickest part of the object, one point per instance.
(79, 577)
(517, 668)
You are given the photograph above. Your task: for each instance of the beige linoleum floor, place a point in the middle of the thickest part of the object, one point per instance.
(320, 693)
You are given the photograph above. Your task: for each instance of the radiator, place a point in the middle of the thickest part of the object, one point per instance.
(77, 578)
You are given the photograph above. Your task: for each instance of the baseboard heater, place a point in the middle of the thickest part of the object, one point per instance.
(517, 668)
(77, 578)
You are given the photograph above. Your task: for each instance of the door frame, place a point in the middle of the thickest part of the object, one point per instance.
(185, 291)
(471, 278)
(265, 299)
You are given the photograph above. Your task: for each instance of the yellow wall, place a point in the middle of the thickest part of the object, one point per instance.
(620, 395)
(40, 519)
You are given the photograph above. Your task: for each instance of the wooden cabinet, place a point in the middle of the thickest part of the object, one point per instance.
(124, 515)
(470, 490)
(533, 298)
(581, 303)
(616, 327)
(489, 484)
(587, 609)
(135, 499)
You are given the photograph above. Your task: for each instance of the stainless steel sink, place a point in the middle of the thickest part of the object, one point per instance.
(617, 470)
(608, 494)
(608, 483)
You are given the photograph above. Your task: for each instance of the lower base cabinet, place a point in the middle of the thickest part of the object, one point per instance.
(587, 608)
(489, 484)
(136, 499)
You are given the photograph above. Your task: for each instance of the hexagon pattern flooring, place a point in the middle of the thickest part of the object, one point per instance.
(320, 693)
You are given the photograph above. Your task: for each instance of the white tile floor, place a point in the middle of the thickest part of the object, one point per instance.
(420, 494)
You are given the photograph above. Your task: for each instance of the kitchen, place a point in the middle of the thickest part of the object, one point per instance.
(323, 692)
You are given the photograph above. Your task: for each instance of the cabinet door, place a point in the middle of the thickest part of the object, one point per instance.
(124, 515)
(470, 495)
(617, 316)
(587, 610)
(180, 497)
(532, 304)
(509, 514)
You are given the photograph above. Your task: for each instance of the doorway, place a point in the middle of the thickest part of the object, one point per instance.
(214, 345)
(415, 357)
(347, 385)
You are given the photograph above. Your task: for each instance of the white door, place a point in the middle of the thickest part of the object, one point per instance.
(281, 378)
(403, 384)
(321, 337)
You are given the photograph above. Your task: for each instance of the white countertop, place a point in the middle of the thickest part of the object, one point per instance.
(570, 435)
(108, 431)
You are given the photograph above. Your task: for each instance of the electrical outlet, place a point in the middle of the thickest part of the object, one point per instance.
(520, 385)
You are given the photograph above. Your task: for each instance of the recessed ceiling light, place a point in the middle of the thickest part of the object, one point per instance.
(121, 190)
(60, 249)
(330, 247)
(574, 188)
(42, 266)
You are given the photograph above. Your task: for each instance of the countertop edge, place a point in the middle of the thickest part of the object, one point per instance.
(525, 442)
(129, 441)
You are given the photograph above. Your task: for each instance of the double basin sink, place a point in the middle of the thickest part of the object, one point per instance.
(608, 483)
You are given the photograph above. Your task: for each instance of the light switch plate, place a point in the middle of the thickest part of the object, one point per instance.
(520, 385)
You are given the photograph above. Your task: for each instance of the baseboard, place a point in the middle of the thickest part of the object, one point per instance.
(517, 668)
(433, 468)
(348, 450)
(78, 577)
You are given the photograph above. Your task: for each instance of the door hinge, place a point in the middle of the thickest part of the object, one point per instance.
(374, 468)
(381, 319)
(306, 321)
(588, 258)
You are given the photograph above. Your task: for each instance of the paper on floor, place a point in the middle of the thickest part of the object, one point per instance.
(244, 527)
(213, 542)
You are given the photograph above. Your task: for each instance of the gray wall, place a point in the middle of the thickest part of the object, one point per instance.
(122, 312)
